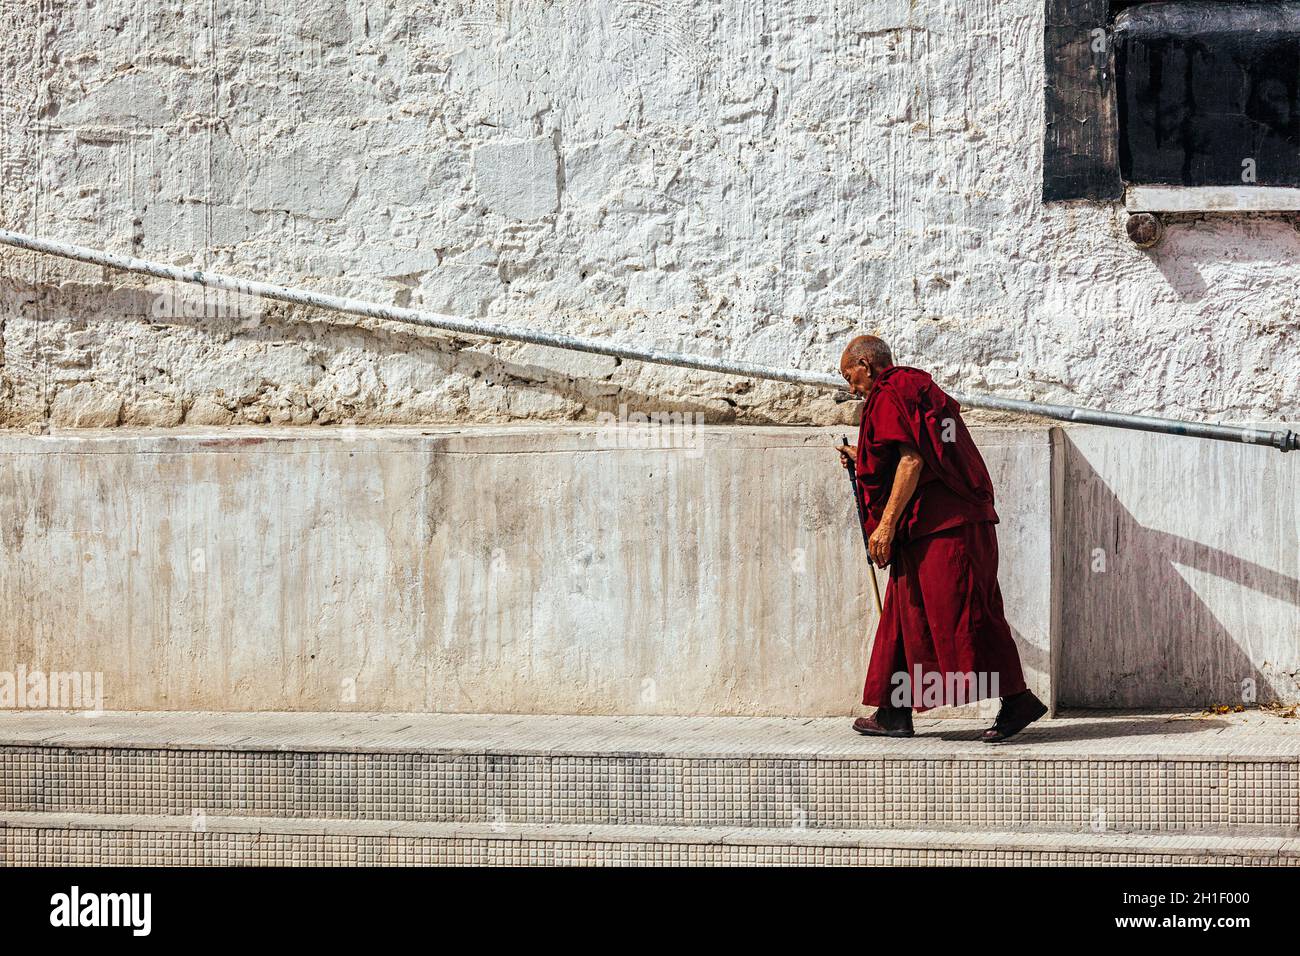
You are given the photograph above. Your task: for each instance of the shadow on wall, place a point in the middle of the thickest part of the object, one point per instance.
(1151, 618)
(292, 365)
(1196, 251)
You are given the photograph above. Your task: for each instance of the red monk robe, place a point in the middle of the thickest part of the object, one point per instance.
(943, 607)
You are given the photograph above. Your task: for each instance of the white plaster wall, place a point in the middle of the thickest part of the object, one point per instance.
(756, 178)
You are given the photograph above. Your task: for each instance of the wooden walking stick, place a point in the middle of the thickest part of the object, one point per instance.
(862, 523)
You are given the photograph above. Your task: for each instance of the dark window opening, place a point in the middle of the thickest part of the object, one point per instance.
(1170, 92)
(1208, 93)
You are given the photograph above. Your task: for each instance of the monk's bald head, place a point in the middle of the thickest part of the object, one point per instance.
(870, 349)
(864, 358)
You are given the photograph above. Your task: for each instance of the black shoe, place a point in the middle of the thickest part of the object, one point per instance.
(1017, 713)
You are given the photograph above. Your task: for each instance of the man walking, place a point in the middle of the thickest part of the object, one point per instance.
(943, 639)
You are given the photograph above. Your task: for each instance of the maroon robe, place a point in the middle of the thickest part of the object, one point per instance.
(943, 638)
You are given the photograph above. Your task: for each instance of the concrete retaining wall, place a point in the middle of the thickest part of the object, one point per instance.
(1179, 571)
(568, 570)
(492, 569)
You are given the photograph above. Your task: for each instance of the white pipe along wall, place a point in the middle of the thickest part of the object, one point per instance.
(1283, 440)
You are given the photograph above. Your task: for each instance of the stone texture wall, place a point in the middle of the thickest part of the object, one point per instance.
(755, 178)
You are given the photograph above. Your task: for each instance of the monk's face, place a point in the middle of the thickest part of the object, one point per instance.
(860, 376)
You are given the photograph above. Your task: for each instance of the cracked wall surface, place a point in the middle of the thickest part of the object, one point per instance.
(751, 178)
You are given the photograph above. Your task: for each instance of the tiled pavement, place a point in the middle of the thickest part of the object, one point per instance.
(1173, 735)
(356, 788)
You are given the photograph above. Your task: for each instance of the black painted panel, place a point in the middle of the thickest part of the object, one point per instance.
(1080, 158)
(1203, 87)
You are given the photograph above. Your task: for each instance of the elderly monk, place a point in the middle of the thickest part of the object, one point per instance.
(943, 639)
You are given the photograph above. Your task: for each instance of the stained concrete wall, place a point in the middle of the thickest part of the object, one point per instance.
(569, 570)
(524, 569)
(755, 178)
(1179, 572)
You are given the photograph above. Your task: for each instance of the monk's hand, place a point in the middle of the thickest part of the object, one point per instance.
(848, 455)
(881, 544)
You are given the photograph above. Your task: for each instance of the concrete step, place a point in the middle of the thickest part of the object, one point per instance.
(71, 839)
(1088, 773)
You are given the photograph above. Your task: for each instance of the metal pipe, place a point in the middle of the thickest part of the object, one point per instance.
(1284, 440)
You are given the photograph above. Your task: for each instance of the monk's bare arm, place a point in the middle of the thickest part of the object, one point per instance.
(905, 479)
(906, 476)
